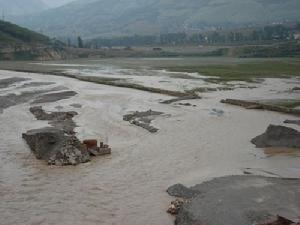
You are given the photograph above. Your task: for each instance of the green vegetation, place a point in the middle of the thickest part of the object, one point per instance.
(244, 71)
(11, 33)
(290, 49)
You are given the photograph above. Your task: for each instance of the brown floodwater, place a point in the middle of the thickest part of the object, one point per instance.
(128, 188)
(282, 151)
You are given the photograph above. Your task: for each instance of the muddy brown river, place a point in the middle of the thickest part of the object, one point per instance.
(193, 144)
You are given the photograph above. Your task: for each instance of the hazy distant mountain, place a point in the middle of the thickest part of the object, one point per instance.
(21, 7)
(92, 18)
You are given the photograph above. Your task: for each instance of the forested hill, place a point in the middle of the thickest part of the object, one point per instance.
(11, 33)
(18, 43)
(92, 18)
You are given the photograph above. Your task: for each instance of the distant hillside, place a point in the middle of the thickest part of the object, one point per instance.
(18, 43)
(92, 18)
(11, 33)
(21, 7)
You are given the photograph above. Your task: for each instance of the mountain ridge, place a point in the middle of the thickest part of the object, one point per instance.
(116, 18)
(17, 7)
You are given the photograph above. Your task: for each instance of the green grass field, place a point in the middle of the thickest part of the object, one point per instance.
(244, 71)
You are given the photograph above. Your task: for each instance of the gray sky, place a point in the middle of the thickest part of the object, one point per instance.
(55, 3)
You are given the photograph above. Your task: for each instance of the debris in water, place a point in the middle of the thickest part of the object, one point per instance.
(94, 150)
(175, 207)
(143, 119)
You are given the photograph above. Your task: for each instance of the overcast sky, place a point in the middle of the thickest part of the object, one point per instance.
(55, 3)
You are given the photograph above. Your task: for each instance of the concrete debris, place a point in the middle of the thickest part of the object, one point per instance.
(94, 150)
(143, 119)
(175, 207)
(56, 147)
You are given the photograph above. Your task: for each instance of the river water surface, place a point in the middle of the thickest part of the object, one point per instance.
(193, 144)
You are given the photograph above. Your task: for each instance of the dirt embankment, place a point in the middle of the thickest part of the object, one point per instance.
(263, 106)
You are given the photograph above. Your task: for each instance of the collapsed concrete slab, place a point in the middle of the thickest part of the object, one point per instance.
(143, 119)
(241, 200)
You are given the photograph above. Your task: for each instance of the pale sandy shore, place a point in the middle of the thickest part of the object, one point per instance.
(194, 144)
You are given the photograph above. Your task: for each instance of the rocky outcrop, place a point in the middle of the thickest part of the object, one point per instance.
(56, 147)
(143, 119)
(278, 136)
(240, 200)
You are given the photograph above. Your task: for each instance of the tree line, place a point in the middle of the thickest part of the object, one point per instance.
(267, 33)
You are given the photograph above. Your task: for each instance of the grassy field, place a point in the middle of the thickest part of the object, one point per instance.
(244, 71)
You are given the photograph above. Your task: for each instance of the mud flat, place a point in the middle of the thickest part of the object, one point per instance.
(4, 83)
(54, 97)
(22, 94)
(237, 200)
